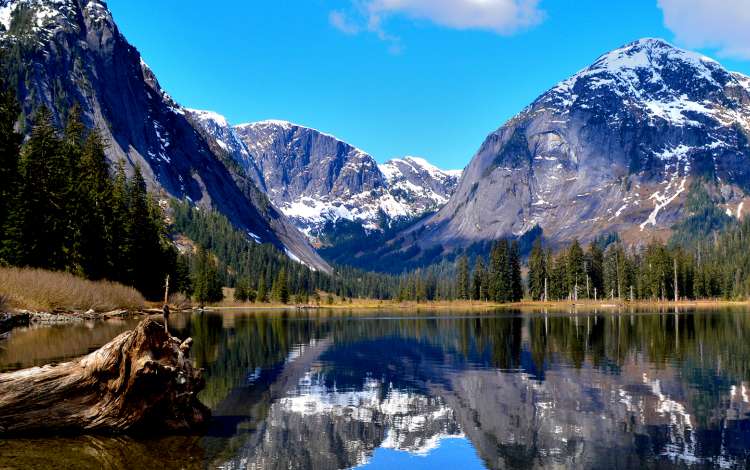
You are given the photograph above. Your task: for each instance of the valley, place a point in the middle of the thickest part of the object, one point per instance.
(227, 287)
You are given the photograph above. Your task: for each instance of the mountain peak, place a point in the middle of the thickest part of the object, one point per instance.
(209, 116)
(395, 167)
(50, 16)
(270, 123)
(650, 52)
(613, 148)
(649, 77)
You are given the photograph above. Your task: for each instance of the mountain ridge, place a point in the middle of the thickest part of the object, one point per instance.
(63, 53)
(317, 179)
(613, 148)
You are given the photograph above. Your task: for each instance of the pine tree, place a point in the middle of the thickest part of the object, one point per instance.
(117, 258)
(241, 292)
(10, 148)
(477, 291)
(37, 224)
(537, 270)
(280, 289)
(500, 283)
(595, 264)
(148, 255)
(575, 270)
(262, 295)
(558, 287)
(514, 272)
(206, 282)
(93, 212)
(181, 275)
(462, 286)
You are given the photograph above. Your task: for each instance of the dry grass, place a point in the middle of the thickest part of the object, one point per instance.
(37, 289)
(180, 301)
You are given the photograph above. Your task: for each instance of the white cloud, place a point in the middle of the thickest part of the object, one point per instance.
(717, 24)
(499, 16)
(340, 21)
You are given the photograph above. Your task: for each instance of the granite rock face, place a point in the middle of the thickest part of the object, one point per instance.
(317, 179)
(613, 148)
(65, 52)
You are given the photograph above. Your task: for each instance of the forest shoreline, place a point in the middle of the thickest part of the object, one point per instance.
(463, 306)
(19, 318)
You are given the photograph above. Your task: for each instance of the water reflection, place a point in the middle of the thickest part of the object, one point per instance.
(625, 390)
(39, 345)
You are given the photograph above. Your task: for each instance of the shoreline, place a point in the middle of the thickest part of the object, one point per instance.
(20, 318)
(376, 305)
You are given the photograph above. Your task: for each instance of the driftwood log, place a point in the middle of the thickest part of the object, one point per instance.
(141, 381)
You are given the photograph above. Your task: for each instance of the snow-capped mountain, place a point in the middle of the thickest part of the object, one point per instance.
(315, 178)
(615, 147)
(418, 183)
(65, 52)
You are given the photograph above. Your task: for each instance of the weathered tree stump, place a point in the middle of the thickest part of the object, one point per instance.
(141, 381)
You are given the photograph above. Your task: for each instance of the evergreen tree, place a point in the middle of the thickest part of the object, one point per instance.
(477, 290)
(595, 264)
(615, 271)
(462, 286)
(241, 292)
(514, 272)
(500, 284)
(262, 295)
(280, 289)
(537, 270)
(558, 287)
(10, 148)
(37, 225)
(118, 241)
(206, 283)
(575, 270)
(148, 254)
(181, 276)
(93, 237)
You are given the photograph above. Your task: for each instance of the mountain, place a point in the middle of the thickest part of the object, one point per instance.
(61, 53)
(416, 182)
(617, 147)
(318, 180)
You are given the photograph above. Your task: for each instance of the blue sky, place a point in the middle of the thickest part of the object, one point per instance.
(401, 77)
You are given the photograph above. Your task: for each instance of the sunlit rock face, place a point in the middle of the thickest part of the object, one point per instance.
(63, 53)
(612, 148)
(316, 179)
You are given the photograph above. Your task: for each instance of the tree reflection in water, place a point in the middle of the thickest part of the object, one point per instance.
(626, 390)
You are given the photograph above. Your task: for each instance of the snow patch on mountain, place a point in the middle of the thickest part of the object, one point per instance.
(418, 182)
(315, 178)
(642, 74)
(47, 15)
(613, 148)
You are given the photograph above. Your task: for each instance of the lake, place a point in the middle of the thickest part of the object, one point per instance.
(331, 390)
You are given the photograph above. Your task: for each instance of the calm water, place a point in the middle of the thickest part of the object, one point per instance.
(503, 390)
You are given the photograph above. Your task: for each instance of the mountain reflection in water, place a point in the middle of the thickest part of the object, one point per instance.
(496, 391)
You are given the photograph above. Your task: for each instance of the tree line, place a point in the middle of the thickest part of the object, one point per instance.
(62, 209)
(718, 267)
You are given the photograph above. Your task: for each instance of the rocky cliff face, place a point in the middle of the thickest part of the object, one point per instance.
(612, 148)
(415, 182)
(65, 52)
(315, 178)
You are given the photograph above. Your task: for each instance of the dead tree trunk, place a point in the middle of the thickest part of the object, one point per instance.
(141, 381)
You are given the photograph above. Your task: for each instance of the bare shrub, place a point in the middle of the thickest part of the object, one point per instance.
(37, 289)
(179, 301)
